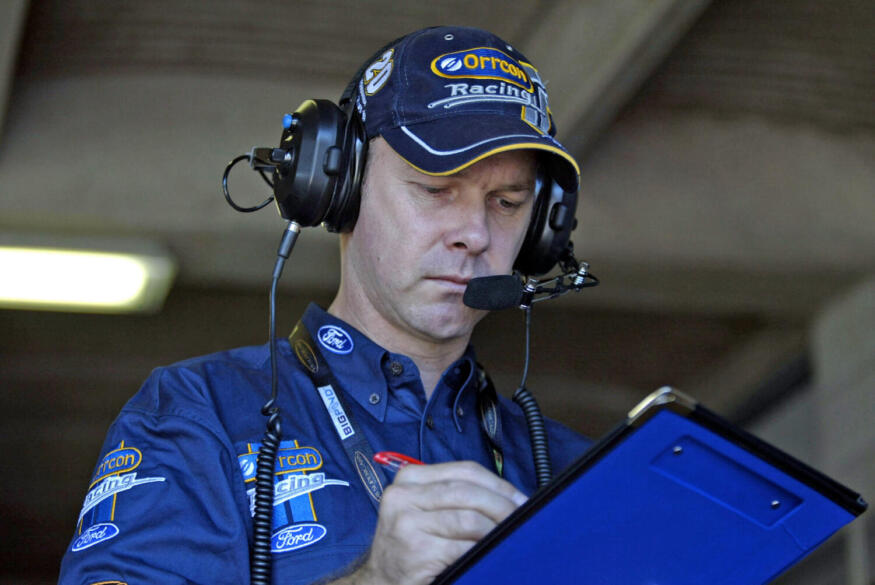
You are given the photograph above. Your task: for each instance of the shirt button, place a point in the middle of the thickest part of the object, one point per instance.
(429, 422)
(374, 398)
(396, 368)
(460, 412)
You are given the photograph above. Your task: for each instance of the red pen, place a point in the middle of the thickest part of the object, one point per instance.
(395, 461)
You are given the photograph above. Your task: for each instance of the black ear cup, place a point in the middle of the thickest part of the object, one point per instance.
(550, 229)
(344, 209)
(322, 155)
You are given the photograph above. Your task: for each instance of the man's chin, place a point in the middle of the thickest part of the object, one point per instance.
(447, 321)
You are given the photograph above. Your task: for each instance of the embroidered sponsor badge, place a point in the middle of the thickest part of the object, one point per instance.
(335, 339)
(487, 75)
(297, 536)
(117, 462)
(289, 458)
(482, 63)
(115, 475)
(94, 535)
(378, 72)
(295, 523)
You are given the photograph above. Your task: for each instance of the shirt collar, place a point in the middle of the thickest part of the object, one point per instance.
(360, 366)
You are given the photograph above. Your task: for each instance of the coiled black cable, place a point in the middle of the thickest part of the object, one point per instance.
(262, 522)
(537, 435)
(534, 418)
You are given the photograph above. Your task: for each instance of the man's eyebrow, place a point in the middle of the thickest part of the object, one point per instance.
(521, 186)
(525, 183)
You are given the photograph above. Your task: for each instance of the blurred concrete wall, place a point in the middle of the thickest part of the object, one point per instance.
(832, 427)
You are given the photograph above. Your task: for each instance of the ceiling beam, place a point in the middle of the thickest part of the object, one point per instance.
(596, 55)
(12, 18)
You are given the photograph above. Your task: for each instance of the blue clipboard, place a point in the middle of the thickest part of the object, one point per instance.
(674, 496)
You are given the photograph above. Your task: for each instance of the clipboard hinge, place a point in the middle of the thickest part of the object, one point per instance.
(675, 400)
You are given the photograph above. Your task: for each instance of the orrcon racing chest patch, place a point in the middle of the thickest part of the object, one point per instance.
(297, 479)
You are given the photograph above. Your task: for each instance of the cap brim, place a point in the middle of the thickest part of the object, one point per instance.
(446, 146)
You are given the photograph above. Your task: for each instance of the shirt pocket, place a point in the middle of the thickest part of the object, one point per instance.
(320, 504)
(325, 528)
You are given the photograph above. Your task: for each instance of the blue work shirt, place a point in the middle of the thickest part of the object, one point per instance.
(170, 498)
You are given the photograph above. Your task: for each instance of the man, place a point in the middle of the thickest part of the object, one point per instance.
(458, 128)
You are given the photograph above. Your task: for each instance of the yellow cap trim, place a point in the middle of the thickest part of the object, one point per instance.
(505, 148)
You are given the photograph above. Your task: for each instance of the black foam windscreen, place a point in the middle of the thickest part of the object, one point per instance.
(493, 293)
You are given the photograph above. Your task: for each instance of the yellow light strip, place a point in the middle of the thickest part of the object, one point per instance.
(81, 280)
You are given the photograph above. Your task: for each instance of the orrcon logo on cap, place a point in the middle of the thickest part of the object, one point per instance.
(481, 63)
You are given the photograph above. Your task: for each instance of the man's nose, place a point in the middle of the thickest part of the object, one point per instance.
(471, 230)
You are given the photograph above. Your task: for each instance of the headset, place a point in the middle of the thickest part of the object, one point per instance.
(318, 167)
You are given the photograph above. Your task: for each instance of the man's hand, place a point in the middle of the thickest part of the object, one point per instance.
(431, 515)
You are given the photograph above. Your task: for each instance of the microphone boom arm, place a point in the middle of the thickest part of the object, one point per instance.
(575, 278)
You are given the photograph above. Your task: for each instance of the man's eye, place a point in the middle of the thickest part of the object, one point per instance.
(508, 204)
(434, 190)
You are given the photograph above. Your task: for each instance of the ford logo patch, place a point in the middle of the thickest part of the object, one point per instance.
(94, 535)
(297, 536)
(335, 339)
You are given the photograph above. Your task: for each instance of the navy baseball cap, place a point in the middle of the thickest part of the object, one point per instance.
(447, 97)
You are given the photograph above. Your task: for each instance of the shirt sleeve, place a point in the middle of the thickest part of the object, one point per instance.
(166, 503)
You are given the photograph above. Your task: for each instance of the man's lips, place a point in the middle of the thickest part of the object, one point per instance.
(451, 281)
(463, 280)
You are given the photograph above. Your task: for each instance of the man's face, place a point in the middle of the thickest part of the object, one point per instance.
(419, 239)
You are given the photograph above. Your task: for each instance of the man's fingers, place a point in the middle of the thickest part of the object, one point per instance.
(432, 514)
(465, 471)
(451, 495)
(464, 525)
